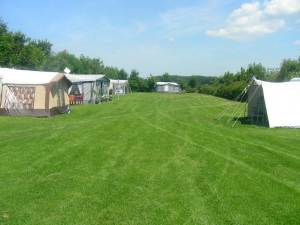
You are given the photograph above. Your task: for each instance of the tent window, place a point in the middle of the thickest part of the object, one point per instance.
(19, 97)
(75, 89)
(160, 88)
(119, 88)
(60, 94)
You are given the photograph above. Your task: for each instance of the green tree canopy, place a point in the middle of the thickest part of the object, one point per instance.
(123, 75)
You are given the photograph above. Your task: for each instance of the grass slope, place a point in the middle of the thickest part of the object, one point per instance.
(147, 159)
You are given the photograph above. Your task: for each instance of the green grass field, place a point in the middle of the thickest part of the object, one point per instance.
(148, 158)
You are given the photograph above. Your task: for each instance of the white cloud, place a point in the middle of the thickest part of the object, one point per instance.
(282, 7)
(171, 39)
(297, 42)
(184, 20)
(254, 19)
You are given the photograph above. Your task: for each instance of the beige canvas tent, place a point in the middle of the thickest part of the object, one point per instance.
(33, 93)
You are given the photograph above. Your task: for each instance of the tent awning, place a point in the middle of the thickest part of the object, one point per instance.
(81, 78)
(166, 83)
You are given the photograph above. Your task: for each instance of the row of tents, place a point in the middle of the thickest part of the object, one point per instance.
(45, 94)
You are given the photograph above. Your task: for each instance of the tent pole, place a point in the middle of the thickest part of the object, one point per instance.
(238, 116)
(233, 102)
(240, 110)
(234, 111)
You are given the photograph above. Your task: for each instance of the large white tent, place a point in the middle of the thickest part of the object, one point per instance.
(91, 85)
(168, 87)
(282, 102)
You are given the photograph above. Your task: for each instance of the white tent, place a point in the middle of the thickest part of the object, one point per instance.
(120, 87)
(90, 85)
(282, 102)
(169, 87)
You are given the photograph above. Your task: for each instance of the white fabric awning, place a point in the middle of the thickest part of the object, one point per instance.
(81, 78)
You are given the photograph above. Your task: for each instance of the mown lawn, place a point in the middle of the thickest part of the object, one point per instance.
(148, 158)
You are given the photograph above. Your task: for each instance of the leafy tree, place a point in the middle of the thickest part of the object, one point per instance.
(151, 82)
(3, 26)
(142, 85)
(134, 80)
(134, 75)
(256, 70)
(111, 72)
(123, 75)
(6, 50)
(165, 77)
(44, 45)
(288, 70)
(87, 65)
(59, 61)
(32, 57)
(193, 82)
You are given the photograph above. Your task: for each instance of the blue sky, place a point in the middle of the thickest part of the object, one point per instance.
(181, 37)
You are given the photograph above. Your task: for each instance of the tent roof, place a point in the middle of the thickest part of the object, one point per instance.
(119, 81)
(282, 102)
(85, 78)
(165, 83)
(295, 79)
(13, 76)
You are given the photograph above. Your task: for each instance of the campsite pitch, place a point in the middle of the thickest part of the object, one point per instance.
(148, 158)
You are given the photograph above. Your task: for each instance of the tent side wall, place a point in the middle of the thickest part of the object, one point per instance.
(35, 100)
(89, 86)
(119, 88)
(87, 89)
(174, 88)
(59, 99)
(281, 102)
(0, 90)
(16, 103)
(254, 92)
(167, 88)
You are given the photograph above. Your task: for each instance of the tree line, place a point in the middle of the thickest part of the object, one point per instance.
(230, 85)
(21, 52)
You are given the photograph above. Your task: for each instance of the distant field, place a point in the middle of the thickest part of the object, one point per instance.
(148, 158)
